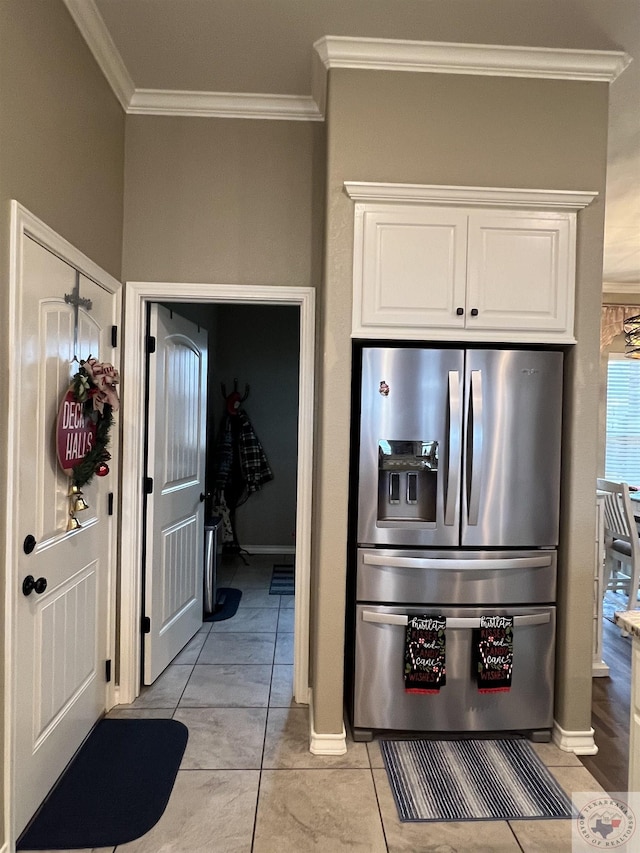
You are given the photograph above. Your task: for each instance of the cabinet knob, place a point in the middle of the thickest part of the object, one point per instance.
(474, 312)
(459, 311)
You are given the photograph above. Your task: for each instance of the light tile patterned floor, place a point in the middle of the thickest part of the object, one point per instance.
(248, 783)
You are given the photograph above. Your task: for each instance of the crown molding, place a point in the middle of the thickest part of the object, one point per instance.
(94, 31)
(479, 59)
(340, 52)
(364, 191)
(223, 105)
(631, 288)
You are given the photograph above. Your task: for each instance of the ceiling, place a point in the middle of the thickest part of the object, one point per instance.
(266, 47)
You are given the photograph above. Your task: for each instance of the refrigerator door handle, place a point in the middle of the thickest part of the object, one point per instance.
(456, 622)
(455, 450)
(476, 447)
(541, 562)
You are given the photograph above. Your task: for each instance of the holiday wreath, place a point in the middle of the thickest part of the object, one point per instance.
(94, 386)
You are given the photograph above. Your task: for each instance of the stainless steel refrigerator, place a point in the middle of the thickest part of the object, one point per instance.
(458, 473)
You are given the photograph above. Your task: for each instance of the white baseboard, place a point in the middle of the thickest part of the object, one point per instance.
(270, 549)
(325, 744)
(303, 698)
(599, 669)
(578, 742)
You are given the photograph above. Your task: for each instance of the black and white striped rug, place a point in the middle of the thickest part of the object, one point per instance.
(456, 780)
(282, 580)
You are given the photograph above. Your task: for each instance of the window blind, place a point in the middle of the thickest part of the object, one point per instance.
(622, 460)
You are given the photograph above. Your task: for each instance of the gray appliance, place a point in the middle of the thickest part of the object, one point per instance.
(457, 515)
(210, 589)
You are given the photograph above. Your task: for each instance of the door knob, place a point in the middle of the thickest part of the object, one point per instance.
(474, 312)
(459, 311)
(202, 497)
(29, 584)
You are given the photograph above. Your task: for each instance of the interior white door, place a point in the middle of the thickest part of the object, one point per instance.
(61, 634)
(175, 508)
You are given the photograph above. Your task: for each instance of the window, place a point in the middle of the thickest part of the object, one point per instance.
(622, 462)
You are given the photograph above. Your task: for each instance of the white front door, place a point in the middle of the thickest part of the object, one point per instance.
(61, 633)
(176, 459)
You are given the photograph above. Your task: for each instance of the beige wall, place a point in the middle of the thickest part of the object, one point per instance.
(61, 155)
(226, 201)
(477, 131)
(61, 133)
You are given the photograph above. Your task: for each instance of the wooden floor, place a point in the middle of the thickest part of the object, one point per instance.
(610, 713)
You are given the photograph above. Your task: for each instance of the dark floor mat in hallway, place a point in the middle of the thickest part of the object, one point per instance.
(115, 789)
(227, 601)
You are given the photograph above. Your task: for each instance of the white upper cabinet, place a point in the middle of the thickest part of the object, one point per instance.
(413, 266)
(521, 270)
(464, 263)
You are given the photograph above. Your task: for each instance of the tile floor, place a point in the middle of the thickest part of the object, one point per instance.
(248, 783)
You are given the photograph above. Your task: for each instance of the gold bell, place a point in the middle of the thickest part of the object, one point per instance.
(74, 490)
(73, 523)
(78, 503)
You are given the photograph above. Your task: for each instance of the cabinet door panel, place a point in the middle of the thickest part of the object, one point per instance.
(413, 267)
(518, 272)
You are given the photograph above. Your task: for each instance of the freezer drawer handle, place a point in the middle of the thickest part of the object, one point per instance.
(541, 562)
(453, 621)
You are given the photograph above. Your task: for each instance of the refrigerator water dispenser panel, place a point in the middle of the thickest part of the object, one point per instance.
(407, 481)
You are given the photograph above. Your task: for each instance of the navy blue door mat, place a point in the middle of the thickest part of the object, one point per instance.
(115, 789)
(460, 780)
(282, 580)
(227, 601)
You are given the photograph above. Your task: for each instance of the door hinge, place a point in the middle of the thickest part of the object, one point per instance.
(151, 344)
(148, 485)
(107, 670)
(146, 625)
(114, 336)
(110, 503)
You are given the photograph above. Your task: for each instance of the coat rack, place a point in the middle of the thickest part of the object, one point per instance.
(234, 399)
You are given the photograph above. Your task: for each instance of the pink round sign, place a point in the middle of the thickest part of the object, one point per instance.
(75, 433)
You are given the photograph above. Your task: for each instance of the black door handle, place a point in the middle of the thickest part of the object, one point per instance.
(29, 585)
(202, 496)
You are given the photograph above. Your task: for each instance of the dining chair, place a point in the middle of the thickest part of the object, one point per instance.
(622, 544)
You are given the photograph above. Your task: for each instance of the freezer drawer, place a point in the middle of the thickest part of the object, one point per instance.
(456, 577)
(380, 701)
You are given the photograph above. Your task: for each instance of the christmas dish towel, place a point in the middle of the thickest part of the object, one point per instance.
(424, 654)
(494, 654)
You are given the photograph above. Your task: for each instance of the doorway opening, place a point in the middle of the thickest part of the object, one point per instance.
(204, 298)
(225, 443)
